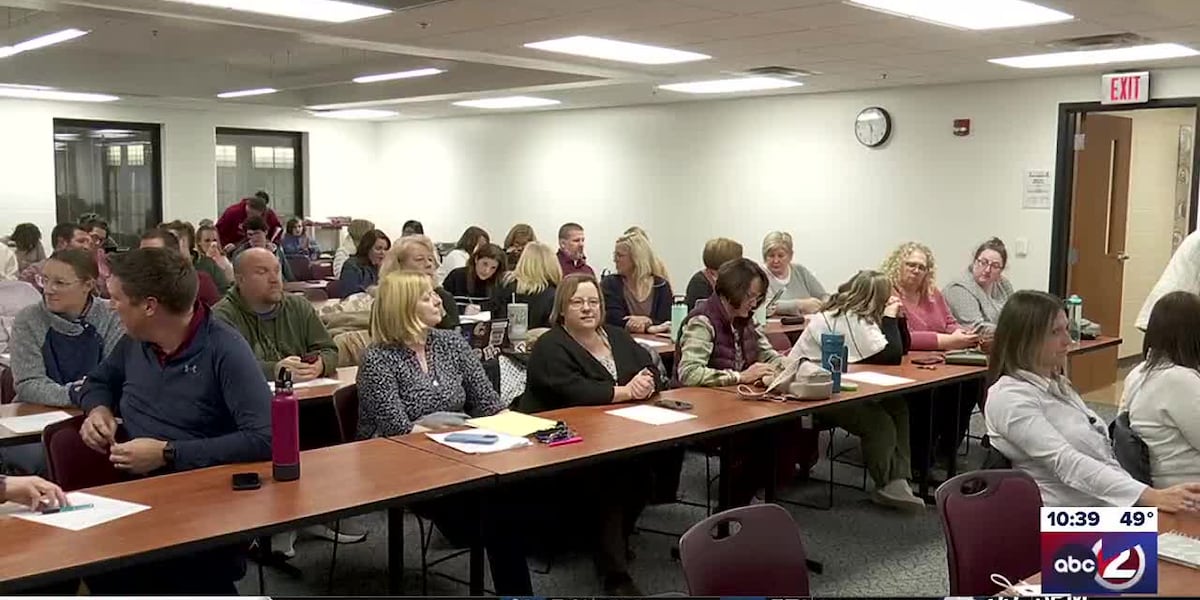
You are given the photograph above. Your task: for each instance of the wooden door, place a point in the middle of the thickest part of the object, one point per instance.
(1096, 264)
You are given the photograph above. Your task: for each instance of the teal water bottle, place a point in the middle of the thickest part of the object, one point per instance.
(1075, 317)
(679, 312)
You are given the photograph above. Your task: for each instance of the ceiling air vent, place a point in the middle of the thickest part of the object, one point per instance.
(1098, 42)
(780, 72)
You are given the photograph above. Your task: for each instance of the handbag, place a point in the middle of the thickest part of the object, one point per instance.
(1131, 452)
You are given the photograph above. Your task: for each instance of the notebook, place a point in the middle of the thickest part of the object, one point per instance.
(1180, 549)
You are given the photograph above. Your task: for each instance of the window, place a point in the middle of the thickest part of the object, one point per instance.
(135, 155)
(110, 169)
(250, 160)
(226, 156)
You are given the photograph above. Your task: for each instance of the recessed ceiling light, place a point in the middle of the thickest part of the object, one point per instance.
(725, 86)
(1097, 57)
(41, 42)
(36, 94)
(399, 75)
(355, 113)
(969, 14)
(330, 11)
(594, 47)
(242, 93)
(508, 102)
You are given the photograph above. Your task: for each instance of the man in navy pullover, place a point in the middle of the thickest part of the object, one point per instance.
(190, 394)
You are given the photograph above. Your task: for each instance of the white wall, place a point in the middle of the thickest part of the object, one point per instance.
(341, 162)
(1151, 212)
(740, 168)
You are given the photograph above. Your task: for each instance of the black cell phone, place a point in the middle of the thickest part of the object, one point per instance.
(673, 404)
(246, 481)
(791, 321)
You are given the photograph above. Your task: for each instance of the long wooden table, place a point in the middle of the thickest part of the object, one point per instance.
(196, 510)
(21, 409)
(1173, 580)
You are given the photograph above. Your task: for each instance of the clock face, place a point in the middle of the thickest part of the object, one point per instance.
(873, 126)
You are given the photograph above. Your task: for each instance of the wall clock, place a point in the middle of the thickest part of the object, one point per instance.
(873, 126)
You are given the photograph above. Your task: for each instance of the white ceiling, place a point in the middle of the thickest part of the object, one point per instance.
(158, 52)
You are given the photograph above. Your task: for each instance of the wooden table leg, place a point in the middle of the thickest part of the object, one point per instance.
(395, 550)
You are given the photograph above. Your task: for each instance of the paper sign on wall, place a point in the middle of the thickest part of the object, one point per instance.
(1038, 188)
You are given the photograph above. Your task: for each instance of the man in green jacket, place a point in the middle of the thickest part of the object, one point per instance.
(285, 333)
(283, 329)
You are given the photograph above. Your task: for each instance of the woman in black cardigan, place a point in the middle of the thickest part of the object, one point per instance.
(579, 362)
(638, 297)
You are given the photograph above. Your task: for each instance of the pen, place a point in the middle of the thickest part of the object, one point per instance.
(570, 440)
(68, 508)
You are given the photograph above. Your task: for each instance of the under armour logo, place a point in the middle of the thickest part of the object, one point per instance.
(191, 369)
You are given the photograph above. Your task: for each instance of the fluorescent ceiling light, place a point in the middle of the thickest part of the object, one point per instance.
(329, 11)
(508, 102)
(35, 94)
(725, 86)
(356, 113)
(969, 14)
(242, 93)
(1096, 57)
(594, 47)
(399, 75)
(41, 42)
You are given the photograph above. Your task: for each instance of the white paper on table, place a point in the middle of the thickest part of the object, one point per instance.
(320, 381)
(651, 343)
(481, 317)
(33, 423)
(504, 441)
(651, 415)
(102, 511)
(874, 378)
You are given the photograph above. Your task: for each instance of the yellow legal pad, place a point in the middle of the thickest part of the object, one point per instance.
(512, 423)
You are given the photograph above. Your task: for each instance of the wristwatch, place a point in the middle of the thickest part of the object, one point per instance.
(169, 454)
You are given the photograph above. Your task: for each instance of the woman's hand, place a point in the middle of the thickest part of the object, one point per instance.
(893, 307)
(755, 373)
(660, 328)
(960, 340)
(638, 324)
(471, 309)
(1184, 497)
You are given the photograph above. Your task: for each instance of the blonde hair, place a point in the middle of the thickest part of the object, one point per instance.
(865, 295)
(537, 269)
(894, 264)
(519, 230)
(400, 252)
(394, 320)
(358, 228)
(719, 251)
(645, 262)
(781, 240)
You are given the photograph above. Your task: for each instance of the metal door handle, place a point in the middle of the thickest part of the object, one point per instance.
(1122, 257)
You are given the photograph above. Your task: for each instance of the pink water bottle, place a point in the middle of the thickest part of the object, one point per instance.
(285, 430)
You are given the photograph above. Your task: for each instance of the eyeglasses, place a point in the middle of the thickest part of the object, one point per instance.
(916, 266)
(983, 263)
(578, 303)
(47, 283)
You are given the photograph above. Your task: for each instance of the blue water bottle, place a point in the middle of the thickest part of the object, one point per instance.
(834, 357)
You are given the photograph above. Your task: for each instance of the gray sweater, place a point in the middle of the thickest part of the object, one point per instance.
(801, 285)
(37, 332)
(971, 306)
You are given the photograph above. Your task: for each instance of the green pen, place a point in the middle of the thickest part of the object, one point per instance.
(68, 508)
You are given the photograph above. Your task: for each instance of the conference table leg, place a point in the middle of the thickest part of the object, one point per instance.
(476, 557)
(395, 550)
(952, 460)
(926, 459)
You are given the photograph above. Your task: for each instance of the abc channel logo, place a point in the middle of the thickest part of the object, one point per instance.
(1095, 563)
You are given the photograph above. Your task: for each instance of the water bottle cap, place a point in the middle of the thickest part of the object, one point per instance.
(283, 381)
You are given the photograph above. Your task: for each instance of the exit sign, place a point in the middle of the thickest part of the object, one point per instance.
(1125, 88)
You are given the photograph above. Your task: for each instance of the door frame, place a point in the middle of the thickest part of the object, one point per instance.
(1064, 176)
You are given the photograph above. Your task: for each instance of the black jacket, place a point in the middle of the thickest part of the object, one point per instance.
(540, 305)
(456, 283)
(698, 288)
(562, 373)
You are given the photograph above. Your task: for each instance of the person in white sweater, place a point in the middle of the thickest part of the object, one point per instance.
(1182, 274)
(1162, 394)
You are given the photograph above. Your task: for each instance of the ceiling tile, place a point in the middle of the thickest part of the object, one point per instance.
(778, 42)
(748, 7)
